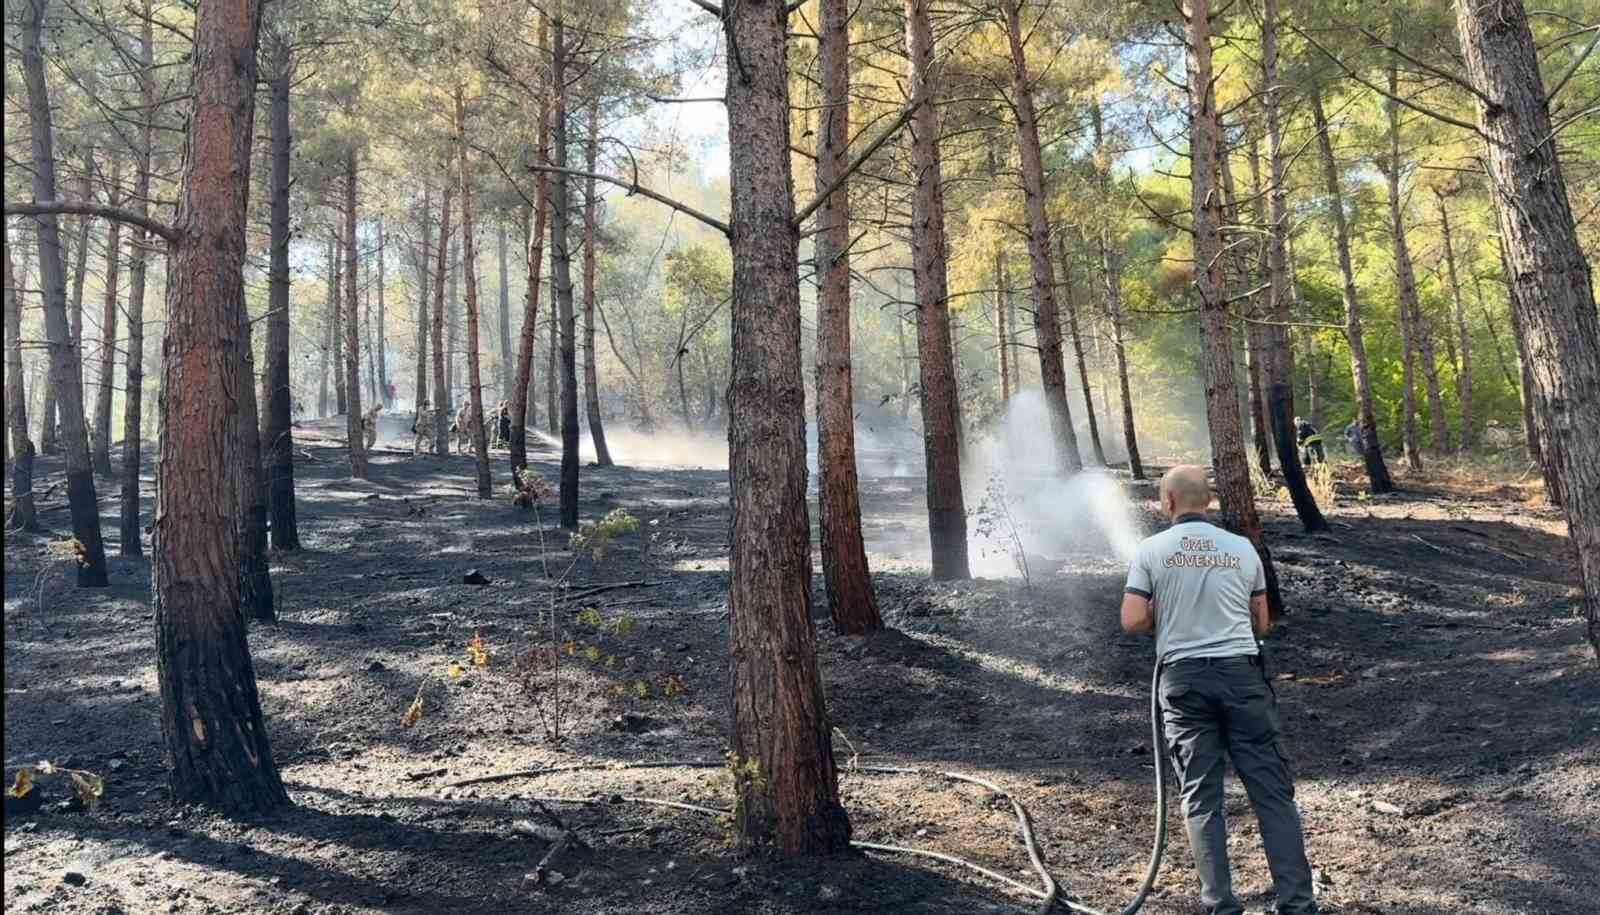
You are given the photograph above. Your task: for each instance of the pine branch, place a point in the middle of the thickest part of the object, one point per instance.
(76, 208)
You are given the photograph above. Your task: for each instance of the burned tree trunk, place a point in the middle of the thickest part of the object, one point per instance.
(591, 379)
(65, 372)
(469, 266)
(352, 324)
(1371, 448)
(1279, 362)
(851, 601)
(101, 455)
(561, 276)
(1228, 459)
(947, 514)
(23, 517)
(522, 400)
(785, 781)
(277, 443)
(216, 741)
(1052, 370)
(1553, 290)
(441, 383)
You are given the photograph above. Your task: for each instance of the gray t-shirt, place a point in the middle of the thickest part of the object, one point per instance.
(1200, 579)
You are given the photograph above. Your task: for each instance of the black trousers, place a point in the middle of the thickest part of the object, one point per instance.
(1216, 707)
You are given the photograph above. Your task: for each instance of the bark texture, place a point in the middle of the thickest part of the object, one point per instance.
(561, 276)
(1228, 459)
(1552, 288)
(1046, 323)
(785, 782)
(941, 445)
(216, 741)
(277, 443)
(851, 601)
(1279, 361)
(352, 321)
(66, 374)
(23, 515)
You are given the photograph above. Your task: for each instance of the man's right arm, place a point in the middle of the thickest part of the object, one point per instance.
(1260, 619)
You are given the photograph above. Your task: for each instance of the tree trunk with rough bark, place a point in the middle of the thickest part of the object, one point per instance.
(469, 266)
(1003, 330)
(561, 270)
(1236, 270)
(1410, 308)
(503, 257)
(1553, 289)
(1463, 336)
(1279, 362)
(1229, 462)
(947, 514)
(216, 740)
(24, 516)
(1052, 369)
(255, 583)
(341, 280)
(785, 783)
(591, 379)
(278, 431)
(352, 323)
(65, 372)
(851, 601)
(106, 385)
(380, 343)
(1371, 449)
(522, 400)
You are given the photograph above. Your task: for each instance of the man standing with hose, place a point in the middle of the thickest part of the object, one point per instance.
(1202, 591)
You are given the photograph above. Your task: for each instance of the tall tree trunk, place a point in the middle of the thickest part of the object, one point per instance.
(1405, 283)
(324, 373)
(452, 317)
(381, 341)
(278, 431)
(469, 266)
(522, 400)
(552, 374)
(1553, 290)
(106, 383)
(1003, 330)
(1052, 370)
(1236, 271)
(941, 444)
(216, 741)
(1315, 366)
(341, 280)
(1229, 463)
(441, 381)
(591, 380)
(904, 358)
(785, 782)
(848, 581)
(65, 372)
(1371, 449)
(1281, 291)
(23, 517)
(352, 323)
(1111, 258)
(1077, 349)
(424, 293)
(1464, 338)
(50, 443)
(503, 370)
(255, 584)
(561, 270)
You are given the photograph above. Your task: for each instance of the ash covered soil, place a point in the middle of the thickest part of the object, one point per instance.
(1440, 704)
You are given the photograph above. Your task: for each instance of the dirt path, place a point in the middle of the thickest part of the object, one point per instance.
(1441, 708)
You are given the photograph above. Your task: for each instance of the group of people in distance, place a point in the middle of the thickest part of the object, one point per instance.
(1310, 440)
(462, 427)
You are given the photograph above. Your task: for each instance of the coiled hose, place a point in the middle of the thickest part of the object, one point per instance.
(1159, 847)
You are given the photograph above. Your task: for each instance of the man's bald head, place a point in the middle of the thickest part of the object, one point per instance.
(1184, 489)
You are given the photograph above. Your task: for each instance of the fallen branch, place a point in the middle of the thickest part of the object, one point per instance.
(615, 586)
(568, 839)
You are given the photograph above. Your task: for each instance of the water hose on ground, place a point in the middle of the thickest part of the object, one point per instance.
(1049, 893)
